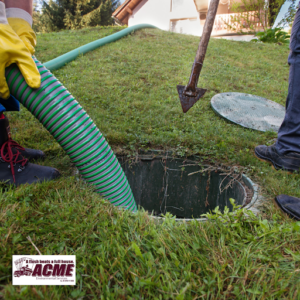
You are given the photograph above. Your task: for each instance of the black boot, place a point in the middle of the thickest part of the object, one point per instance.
(14, 167)
(289, 162)
(290, 205)
(5, 135)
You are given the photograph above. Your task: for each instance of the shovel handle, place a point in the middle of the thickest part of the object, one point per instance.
(197, 66)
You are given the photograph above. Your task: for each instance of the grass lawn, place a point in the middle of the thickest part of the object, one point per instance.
(129, 89)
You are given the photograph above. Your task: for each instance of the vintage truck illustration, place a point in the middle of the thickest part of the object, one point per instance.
(24, 271)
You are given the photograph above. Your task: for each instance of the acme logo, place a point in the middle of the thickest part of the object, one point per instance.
(29, 267)
(44, 270)
(53, 270)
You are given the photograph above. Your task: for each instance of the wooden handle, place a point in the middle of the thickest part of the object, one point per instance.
(190, 89)
(208, 26)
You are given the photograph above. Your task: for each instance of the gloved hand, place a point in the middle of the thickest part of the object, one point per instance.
(13, 50)
(24, 31)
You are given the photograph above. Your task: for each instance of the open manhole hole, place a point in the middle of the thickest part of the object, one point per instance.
(183, 188)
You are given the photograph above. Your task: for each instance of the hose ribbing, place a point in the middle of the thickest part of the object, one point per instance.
(54, 106)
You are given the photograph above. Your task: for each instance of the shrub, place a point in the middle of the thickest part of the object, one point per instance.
(273, 35)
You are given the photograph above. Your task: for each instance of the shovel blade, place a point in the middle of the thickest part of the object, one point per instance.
(186, 101)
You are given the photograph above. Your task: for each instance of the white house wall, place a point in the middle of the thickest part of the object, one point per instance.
(182, 16)
(187, 9)
(158, 13)
(154, 12)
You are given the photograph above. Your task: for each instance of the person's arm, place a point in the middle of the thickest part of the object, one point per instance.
(3, 19)
(19, 9)
(25, 5)
(13, 50)
(19, 17)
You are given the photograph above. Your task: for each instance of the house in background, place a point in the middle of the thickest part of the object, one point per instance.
(180, 16)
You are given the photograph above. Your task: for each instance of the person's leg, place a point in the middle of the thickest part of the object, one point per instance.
(15, 167)
(285, 154)
(12, 104)
(289, 132)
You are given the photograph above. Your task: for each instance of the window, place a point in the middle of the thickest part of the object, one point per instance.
(186, 26)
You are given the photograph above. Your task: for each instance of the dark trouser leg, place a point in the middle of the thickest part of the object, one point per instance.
(289, 132)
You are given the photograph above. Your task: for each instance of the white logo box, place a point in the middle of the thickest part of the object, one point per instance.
(44, 269)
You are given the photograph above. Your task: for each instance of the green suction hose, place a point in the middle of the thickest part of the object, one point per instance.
(60, 61)
(54, 106)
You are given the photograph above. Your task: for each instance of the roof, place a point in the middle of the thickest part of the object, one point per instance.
(122, 13)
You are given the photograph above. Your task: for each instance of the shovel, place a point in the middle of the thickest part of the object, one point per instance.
(190, 94)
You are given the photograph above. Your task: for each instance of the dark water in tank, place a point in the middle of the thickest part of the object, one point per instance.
(164, 185)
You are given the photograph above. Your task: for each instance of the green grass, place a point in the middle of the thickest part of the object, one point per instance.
(129, 89)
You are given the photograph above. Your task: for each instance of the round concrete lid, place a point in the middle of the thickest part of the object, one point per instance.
(249, 111)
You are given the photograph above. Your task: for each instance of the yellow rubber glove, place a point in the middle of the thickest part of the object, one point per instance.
(13, 50)
(24, 31)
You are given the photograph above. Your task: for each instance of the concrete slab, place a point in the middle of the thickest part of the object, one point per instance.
(249, 111)
(240, 38)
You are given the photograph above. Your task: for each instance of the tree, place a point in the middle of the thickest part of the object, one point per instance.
(274, 8)
(74, 14)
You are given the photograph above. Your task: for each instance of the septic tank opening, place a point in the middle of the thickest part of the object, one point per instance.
(181, 187)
